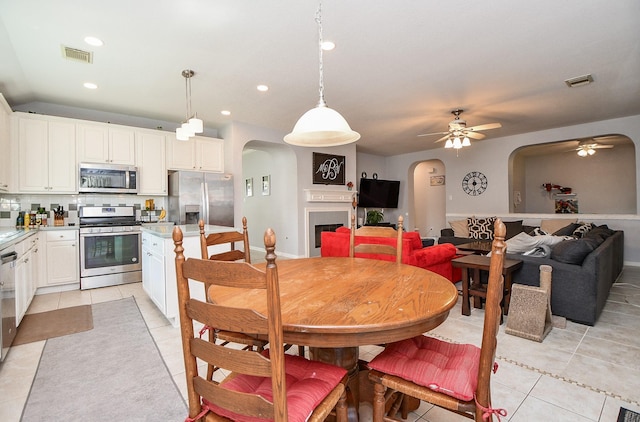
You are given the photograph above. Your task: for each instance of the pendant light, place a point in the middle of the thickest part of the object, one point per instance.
(192, 124)
(321, 126)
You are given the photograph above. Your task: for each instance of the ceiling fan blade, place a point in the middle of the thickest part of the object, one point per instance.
(444, 138)
(602, 146)
(485, 127)
(475, 135)
(434, 133)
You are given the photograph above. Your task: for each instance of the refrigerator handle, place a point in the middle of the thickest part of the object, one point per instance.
(205, 198)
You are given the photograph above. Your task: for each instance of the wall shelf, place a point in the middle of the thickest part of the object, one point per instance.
(325, 195)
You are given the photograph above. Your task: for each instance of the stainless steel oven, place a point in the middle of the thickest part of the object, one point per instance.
(110, 247)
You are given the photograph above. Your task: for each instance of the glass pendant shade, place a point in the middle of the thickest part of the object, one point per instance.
(582, 153)
(456, 143)
(196, 124)
(466, 142)
(321, 127)
(591, 151)
(181, 135)
(449, 143)
(188, 129)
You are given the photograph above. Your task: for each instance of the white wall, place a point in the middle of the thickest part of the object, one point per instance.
(492, 157)
(429, 204)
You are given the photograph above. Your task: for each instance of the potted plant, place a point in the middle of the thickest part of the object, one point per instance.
(374, 217)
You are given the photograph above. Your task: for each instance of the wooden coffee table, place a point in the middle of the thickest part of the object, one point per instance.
(472, 285)
(479, 247)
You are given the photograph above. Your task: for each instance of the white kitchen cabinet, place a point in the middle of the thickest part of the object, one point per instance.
(151, 163)
(62, 254)
(100, 143)
(5, 145)
(47, 159)
(153, 270)
(25, 275)
(198, 153)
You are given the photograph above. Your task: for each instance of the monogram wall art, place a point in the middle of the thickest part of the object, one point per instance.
(328, 169)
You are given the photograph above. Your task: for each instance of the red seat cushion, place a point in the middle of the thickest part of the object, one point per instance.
(308, 383)
(448, 368)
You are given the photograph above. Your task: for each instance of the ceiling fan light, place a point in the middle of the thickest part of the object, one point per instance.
(196, 124)
(321, 127)
(449, 143)
(181, 135)
(456, 143)
(466, 142)
(582, 153)
(591, 151)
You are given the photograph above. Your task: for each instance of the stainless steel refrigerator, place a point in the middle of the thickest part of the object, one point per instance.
(207, 196)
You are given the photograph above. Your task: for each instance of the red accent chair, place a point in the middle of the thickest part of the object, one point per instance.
(435, 258)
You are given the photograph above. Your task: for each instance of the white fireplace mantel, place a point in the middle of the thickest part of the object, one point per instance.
(325, 195)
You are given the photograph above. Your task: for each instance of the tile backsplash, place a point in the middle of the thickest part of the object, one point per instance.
(12, 204)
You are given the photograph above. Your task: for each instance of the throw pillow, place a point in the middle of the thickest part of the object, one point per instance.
(583, 229)
(513, 228)
(600, 233)
(573, 251)
(481, 228)
(538, 232)
(460, 228)
(553, 225)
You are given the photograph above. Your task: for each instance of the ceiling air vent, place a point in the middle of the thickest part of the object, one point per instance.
(77, 55)
(579, 81)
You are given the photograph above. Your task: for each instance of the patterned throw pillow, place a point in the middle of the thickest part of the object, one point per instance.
(481, 228)
(583, 229)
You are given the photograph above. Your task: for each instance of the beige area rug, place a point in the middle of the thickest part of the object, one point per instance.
(61, 322)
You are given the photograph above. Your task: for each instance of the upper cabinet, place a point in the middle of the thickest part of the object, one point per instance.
(100, 143)
(47, 159)
(198, 153)
(151, 162)
(5, 145)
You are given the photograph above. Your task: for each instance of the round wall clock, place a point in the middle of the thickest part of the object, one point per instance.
(474, 183)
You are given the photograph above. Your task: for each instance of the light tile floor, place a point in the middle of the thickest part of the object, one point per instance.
(579, 373)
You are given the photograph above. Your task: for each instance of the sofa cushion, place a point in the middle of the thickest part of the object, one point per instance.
(574, 251)
(553, 225)
(481, 228)
(414, 238)
(566, 230)
(460, 228)
(601, 233)
(513, 228)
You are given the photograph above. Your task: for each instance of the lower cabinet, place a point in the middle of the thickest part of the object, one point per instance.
(62, 257)
(159, 272)
(153, 270)
(26, 273)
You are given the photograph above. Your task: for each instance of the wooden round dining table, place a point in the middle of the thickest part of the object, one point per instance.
(333, 305)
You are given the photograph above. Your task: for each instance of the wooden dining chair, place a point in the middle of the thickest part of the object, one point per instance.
(268, 384)
(228, 240)
(365, 244)
(453, 376)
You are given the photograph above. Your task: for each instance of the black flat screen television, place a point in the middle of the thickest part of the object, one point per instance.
(375, 193)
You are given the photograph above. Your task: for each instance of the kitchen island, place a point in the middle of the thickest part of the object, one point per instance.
(158, 263)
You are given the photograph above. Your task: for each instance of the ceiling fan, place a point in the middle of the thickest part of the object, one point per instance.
(458, 134)
(589, 146)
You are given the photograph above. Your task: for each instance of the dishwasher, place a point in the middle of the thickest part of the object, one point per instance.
(8, 257)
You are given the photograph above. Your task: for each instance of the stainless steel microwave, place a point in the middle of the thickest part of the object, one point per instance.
(107, 178)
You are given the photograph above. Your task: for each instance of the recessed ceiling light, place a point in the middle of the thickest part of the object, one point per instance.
(579, 81)
(90, 85)
(225, 113)
(262, 88)
(328, 45)
(97, 42)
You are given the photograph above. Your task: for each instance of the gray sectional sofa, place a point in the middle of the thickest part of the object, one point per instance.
(583, 271)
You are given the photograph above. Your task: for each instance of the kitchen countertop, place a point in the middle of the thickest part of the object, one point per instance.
(12, 235)
(188, 230)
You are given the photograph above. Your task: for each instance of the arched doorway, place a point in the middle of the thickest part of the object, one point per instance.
(429, 198)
